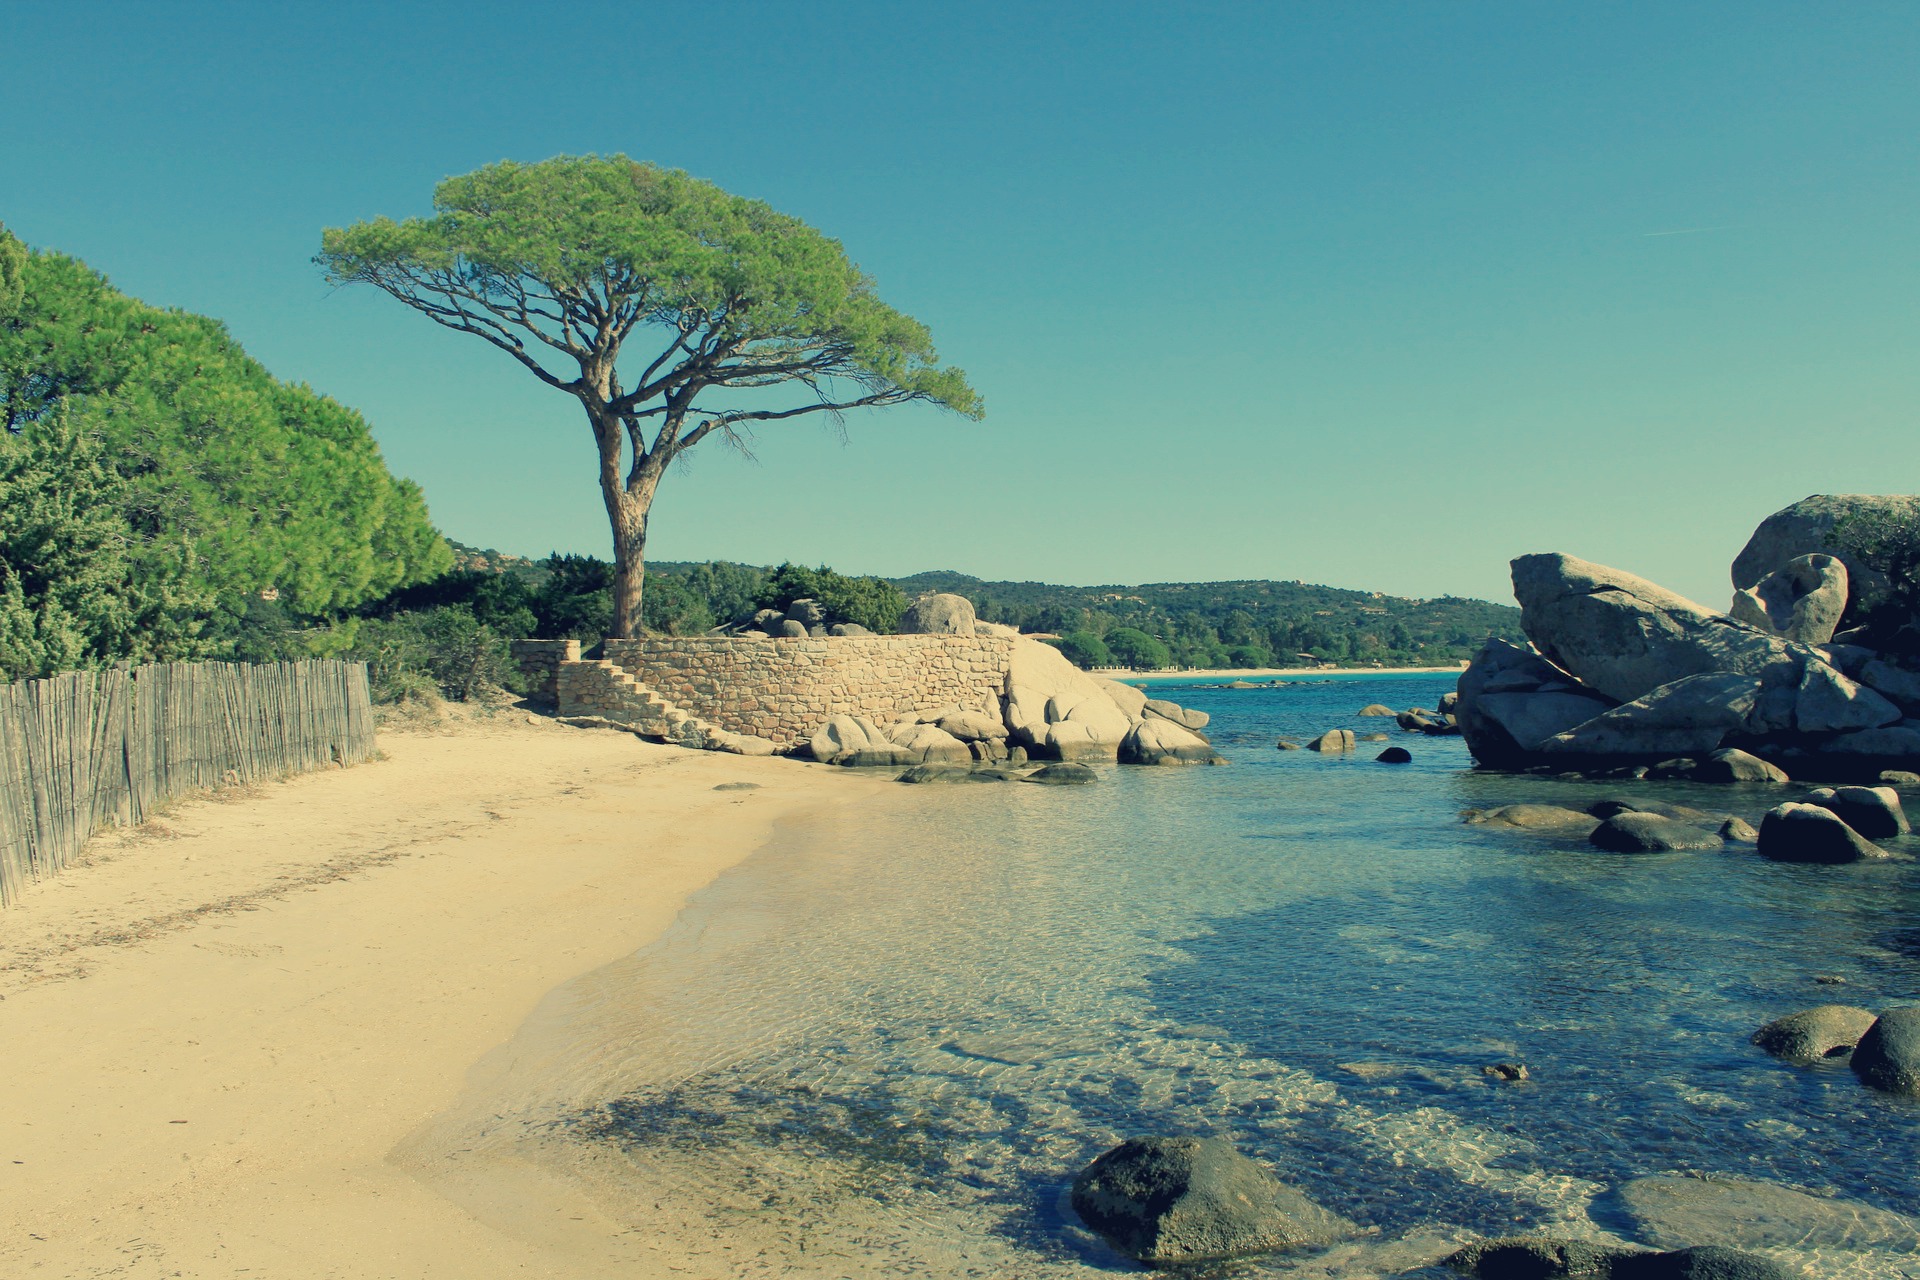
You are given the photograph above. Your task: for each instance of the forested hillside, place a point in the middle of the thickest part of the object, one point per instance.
(157, 484)
(1181, 624)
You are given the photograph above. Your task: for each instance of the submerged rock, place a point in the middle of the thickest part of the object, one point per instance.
(1734, 765)
(939, 773)
(1737, 830)
(1395, 755)
(1533, 1258)
(1533, 817)
(1375, 709)
(1888, 1055)
(1744, 1213)
(1812, 1035)
(1066, 774)
(1179, 1200)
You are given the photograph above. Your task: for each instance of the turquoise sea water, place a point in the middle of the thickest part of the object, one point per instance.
(884, 1045)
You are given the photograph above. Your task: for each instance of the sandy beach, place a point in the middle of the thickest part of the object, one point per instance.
(218, 1027)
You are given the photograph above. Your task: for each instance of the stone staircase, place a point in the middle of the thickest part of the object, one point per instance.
(599, 691)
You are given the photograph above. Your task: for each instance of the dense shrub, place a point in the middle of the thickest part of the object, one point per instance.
(873, 603)
(1084, 650)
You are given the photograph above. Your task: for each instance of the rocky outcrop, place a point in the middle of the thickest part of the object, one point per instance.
(1812, 1035)
(1168, 1201)
(938, 615)
(1054, 707)
(1625, 637)
(1623, 675)
(1801, 601)
(1185, 717)
(849, 740)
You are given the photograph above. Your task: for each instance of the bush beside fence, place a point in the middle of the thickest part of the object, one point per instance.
(92, 749)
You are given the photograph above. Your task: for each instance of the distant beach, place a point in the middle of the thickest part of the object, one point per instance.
(1269, 673)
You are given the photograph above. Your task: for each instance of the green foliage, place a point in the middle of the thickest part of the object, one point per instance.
(672, 608)
(1889, 542)
(1085, 650)
(82, 583)
(277, 487)
(558, 264)
(1244, 623)
(873, 603)
(446, 648)
(1134, 648)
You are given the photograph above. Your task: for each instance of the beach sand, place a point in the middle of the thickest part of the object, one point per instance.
(218, 1030)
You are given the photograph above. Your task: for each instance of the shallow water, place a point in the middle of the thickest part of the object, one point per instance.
(884, 1046)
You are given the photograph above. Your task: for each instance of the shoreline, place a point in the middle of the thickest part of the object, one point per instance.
(223, 1028)
(1262, 673)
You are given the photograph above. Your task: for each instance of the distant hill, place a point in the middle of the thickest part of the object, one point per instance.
(1252, 623)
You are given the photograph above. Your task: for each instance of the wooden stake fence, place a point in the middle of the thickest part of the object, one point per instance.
(91, 749)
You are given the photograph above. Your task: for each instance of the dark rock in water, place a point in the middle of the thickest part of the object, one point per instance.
(1808, 833)
(1288, 744)
(1737, 830)
(1875, 812)
(1448, 701)
(1811, 1035)
(1888, 1055)
(1065, 774)
(1334, 740)
(1413, 721)
(1650, 833)
(1702, 1262)
(1395, 755)
(1533, 1258)
(1667, 1210)
(1176, 1200)
(1513, 1072)
(998, 773)
(937, 773)
(737, 786)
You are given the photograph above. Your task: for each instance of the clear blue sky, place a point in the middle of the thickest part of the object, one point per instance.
(1377, 295)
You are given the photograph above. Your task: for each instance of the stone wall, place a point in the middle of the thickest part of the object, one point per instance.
(540, 660)
(784, 689)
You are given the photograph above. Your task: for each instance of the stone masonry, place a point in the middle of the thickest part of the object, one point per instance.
(540, 660)
(783, 689)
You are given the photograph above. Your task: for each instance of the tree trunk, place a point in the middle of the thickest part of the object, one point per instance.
(627, 508)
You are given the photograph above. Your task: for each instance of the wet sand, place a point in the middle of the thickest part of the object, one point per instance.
(219, 1030)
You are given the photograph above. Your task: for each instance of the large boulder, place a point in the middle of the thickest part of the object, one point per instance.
(1888, 1055)
(1054, 706)
(1813, 526)
(1734, 765)
(1828, 702)
(972, 726)
(808, 613)
(1808, 833)
(1548, 818)
(1811, 1035)
(1184, 1200)
(850, 740)
(1803, 600)
(1131, 701)
(938, 615)
(1163, 742)
(1625, 636)
(1694, 714)
(1185, 717)
(930, 744)
(1875, 812)
(1510, 700)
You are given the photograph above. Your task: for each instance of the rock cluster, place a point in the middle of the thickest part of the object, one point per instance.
(1622, 674)
(1048, 710)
